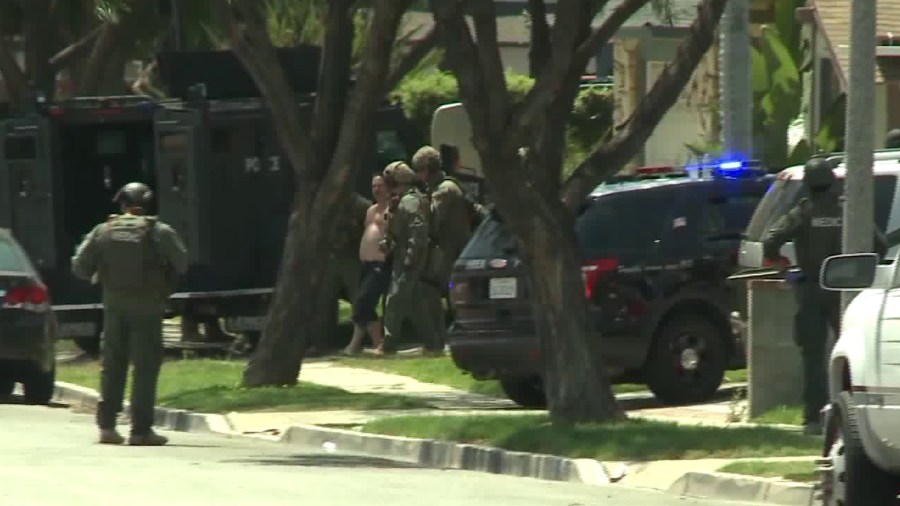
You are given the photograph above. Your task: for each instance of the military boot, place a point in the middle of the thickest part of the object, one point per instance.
(110, 437)
(149, 439)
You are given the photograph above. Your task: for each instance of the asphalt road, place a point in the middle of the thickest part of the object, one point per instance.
(49, 457)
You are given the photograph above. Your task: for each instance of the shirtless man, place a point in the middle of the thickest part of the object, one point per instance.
(374, 277)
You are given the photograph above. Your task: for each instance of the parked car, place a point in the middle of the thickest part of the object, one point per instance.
(27, 326)
(861, 464)
(657, 249)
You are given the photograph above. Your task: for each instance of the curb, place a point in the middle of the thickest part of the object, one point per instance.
(423, 452)
(449, 455)
(738, 487)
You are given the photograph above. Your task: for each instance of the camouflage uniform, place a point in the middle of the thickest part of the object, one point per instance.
(135, 293)
(452, 217)
(814, 225)
(406, 239)
(343, 267)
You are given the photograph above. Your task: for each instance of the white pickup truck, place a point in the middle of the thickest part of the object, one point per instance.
(861, 464)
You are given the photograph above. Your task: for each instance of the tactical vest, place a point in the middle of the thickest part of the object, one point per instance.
(472, 215)
(131, 261)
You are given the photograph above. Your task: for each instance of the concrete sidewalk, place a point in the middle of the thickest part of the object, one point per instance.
(449, 399)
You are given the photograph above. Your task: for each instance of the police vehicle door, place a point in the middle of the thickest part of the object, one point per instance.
(26, 187)
(180, 184)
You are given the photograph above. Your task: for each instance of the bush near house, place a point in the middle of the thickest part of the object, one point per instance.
(592, 115)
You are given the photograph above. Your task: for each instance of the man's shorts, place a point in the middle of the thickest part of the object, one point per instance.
(374, 281)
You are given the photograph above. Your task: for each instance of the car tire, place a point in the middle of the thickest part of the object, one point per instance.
(39, 385)
(687, 361)
(527, 391)
(853, 479)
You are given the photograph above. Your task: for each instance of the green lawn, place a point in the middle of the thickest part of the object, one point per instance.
(443, 371)
(789, 415)
(631, 440)
(212, 386)
(803, 471)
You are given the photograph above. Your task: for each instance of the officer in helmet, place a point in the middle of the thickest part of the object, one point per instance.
(135, 258)
(814, 225)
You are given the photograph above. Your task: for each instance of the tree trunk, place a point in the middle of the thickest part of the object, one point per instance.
(575, 382)
(325, 171)
(290, 319)
(540, 48)
(612, 156)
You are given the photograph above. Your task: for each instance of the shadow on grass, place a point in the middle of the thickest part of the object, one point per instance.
(631, 440)
(317, 460)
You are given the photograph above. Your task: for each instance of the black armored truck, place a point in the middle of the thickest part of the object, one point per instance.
(211, 156)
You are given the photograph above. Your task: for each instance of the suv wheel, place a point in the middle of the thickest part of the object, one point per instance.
(851, 478)
(527, 391)
(686, 362)
(38, 386)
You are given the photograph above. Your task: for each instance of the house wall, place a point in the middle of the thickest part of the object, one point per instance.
(692, 119)
(515, 57)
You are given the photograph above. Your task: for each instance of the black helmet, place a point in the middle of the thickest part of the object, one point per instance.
(893, 139)
(134, 195)
(817, 174)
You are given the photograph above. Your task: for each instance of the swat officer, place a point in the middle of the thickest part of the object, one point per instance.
(814, 225)
(451, 225)
(406, 244)
(136, 259)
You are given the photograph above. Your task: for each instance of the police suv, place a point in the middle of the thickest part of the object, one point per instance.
(657, 249)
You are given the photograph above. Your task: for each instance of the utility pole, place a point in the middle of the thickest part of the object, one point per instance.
(860, 136)
(736, 87)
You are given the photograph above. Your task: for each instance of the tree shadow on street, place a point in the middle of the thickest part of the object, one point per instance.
(320, 460)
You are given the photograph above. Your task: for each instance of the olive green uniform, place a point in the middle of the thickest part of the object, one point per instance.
(450, 231)
(814, 225)
(135, 290)
(408, 296)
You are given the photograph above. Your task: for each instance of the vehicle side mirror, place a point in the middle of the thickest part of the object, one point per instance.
(849, 272)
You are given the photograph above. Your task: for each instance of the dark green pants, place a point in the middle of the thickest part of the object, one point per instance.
(130, 337)
(817, 310)
(416, 301)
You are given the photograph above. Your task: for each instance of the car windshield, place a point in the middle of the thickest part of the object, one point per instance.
(491, 239)
(784, 194)
(11, 257)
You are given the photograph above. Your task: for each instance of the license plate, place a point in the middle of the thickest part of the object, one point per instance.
(503, 288)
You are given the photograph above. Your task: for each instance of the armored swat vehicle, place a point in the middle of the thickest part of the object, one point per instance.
(213, 160)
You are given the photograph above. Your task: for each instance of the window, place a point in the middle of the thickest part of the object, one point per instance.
(491, 240)
(171, 143)
(110, 142)
(624, 222)
(10, 256)
(784, 194)
(727, 216)
(21, 148)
